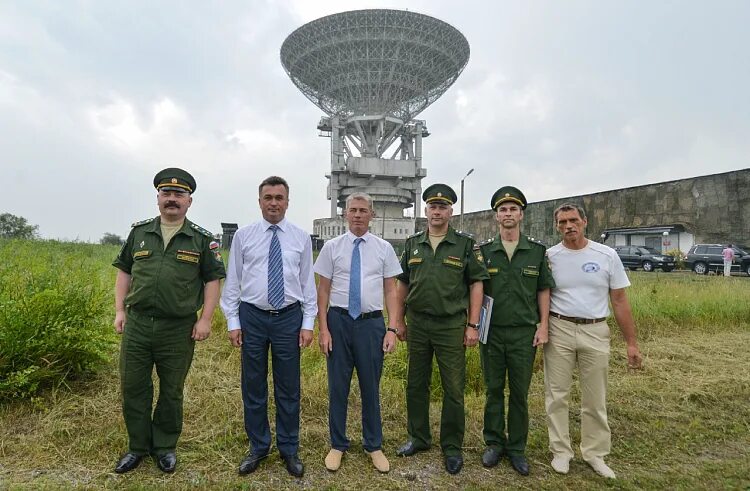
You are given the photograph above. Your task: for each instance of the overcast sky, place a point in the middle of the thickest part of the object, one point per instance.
(559, 98)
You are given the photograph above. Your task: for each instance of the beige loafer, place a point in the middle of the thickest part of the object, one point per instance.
(333, 460)
(380, 461)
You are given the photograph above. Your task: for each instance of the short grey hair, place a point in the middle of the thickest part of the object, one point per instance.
(359, 195)
(570, 207)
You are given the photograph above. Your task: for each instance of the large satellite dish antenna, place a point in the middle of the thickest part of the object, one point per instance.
(372, 72)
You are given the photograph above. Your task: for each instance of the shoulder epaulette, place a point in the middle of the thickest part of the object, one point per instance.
(485, 242)
(201, 230)
(415, 234)
(465, 234)
(143, 222)
(536, 241)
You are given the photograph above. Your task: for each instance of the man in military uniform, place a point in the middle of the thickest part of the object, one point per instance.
(441, 285)
(168, 268)
(520, 282)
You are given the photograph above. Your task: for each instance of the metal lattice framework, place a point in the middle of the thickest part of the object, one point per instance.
(374, 62)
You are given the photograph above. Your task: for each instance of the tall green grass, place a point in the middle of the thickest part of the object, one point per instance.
(55, 310)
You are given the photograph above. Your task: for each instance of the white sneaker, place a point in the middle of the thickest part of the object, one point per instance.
(561, 464)
(601, 468)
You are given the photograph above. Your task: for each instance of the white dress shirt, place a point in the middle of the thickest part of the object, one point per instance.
(377, 261)
(247, 273)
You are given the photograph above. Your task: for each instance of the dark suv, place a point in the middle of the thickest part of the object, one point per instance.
(635, 257)
(703, 258)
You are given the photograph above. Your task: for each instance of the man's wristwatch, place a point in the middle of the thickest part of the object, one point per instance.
(475, 326)
(393, 330)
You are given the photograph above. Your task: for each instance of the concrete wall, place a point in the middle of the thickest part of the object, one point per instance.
(713, 208)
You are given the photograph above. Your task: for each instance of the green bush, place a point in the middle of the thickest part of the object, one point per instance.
(54, 314)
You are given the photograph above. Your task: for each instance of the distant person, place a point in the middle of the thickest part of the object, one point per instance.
(269, 301)
(168, 270)
(587, 274)
(441, 289)
(356, 270)
(520, 282)
(728, 254)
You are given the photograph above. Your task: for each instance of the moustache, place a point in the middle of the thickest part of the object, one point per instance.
(171, 204)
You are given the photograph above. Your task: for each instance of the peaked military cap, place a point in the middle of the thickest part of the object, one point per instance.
(439, 193)
(508, 193)
(174, 179)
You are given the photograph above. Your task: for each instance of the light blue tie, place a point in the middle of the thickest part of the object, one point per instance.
(275, 272)
(355, 282)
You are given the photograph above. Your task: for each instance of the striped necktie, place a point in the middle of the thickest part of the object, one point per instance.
(275, 271)
(355, 282)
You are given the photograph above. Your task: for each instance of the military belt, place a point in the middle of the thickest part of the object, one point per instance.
(375, 314)
(577, 320)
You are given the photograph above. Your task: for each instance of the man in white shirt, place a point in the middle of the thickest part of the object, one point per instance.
(587, 274)
(269, 300)
(355, 269)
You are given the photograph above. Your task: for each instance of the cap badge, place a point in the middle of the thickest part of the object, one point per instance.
(174, 181)
(440, 195)
(507, 194)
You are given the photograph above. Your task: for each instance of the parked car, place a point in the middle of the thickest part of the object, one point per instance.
(703, 258)
(649, 259)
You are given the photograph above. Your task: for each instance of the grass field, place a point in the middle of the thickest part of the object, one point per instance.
(683, 422)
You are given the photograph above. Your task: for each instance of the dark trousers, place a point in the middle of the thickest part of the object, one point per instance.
(442, 337)
(165, 343)
(356, 344)
(508, 352)
(281, 332)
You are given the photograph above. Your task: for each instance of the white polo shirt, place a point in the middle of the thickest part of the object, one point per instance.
(378, 261)
(584, 278)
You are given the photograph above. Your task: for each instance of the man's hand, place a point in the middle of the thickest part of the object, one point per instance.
(541, 336)
(471, 337)
(119, 323)
(389, 342)
(235, 338)
(201, 329)
(305, 338)
(635, 361)
(325, 342)
(402, 332)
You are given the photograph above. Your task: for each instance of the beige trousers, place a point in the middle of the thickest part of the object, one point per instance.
(587, 344)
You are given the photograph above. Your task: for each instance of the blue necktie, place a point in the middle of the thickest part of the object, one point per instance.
(355, 282)
(275, 272)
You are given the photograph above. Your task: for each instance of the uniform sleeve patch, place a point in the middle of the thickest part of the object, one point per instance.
(213, 245)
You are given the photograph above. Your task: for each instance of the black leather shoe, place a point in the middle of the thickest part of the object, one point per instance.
(294, 465)
(409, 448)
(128, 462)
(491, 456)
(167, 462)
(250, 463)
(519, 464)
(453, 464)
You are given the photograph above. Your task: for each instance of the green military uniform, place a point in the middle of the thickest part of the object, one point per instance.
(166, 292)
(513, 284)
(436, 309)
